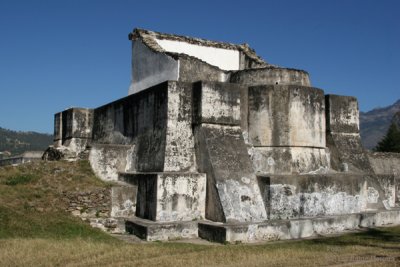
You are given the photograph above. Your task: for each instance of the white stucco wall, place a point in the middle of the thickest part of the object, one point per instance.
(225, 59)
(150, 68)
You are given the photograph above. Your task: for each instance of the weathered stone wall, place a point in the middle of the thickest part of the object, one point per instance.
(107, 161)
(289, 160)
(167, 197)
(390, 186)
(179, 150)
(192, 70)
(57, 129)
(232, 189)
(343, 137)
(88, 204)
(77, 123)
(286, 116)
(271, 75)
(387, 168)
(297, 196)
(153, 129)
(342, 114)
(150, 68)
(123, 200)
(100, 207)
(295, 228)
(217, 103)
(286, 129)
(139, 120)
(73, 130)
(385, 163)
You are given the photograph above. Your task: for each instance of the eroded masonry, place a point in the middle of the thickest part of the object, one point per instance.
(214, 142)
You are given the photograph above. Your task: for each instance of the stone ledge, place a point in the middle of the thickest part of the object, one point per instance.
(161, 231)
(294, 229)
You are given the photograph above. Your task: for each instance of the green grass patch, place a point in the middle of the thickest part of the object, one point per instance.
(20, 179)
(32, 205)
(53, 225)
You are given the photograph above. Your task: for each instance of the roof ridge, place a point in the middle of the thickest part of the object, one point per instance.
(148, 36)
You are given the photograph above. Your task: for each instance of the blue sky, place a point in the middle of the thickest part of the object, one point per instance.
(59, 54)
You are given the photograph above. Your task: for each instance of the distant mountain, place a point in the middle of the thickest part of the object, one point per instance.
(396, 119)
(14, 143)
(374, 123)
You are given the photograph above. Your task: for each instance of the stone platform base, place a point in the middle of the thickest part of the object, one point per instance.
(251, 232)
(162, 231)
(295, 228)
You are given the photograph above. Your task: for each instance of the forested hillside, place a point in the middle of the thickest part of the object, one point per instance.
(18, 142)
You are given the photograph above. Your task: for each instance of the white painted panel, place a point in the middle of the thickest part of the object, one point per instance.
(225, 59)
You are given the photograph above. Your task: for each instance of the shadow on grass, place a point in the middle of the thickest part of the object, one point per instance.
(386, 238)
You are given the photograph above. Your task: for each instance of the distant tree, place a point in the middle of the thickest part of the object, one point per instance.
(391, 141)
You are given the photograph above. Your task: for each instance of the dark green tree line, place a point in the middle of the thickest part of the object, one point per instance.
(391, 141)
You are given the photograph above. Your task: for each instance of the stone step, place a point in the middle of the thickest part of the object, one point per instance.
(161, 231)
(251, 232)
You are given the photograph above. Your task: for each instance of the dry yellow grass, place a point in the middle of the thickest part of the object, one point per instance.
(373, 248)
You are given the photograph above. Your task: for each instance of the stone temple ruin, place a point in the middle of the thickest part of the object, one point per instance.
(214, 142)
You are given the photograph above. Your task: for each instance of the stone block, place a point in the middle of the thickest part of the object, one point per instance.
(216, 103)
(139, 120)
(74, 146)
(171, 196)
(162, 231)
(179, 147)
(336, 224)
(156, 122)
(312, 195)
(123, 200)
(107, 161)
(376, 219)
(271, 76)
(251, 232)
(57, 129)
(77, 123)
(192, 70)
(390, 187)
(232, 190)
(149, 68)
(385, 163)
(286, 115)
(289, 160)
(343, 138)
(346, 150)
(342, 114)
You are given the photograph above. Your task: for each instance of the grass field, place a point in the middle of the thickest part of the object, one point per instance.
(34, 231)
